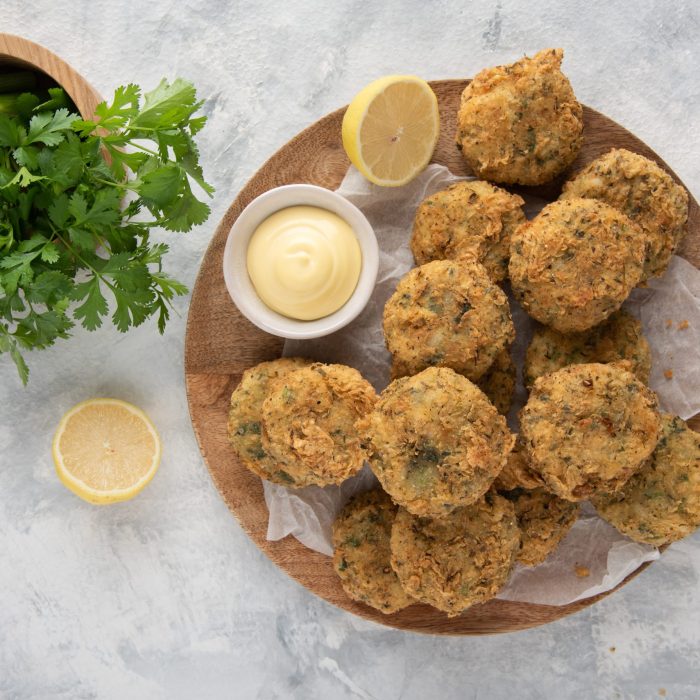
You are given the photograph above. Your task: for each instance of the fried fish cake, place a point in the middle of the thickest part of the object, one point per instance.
(544, 520)
(520, 123)
(618, 338)
(244, 418)
(587, 428)
(661, 502)
(308, 423)
(361, 552)
(435, 442)
(574, 264)
(643, 191)
(499, 381)
(471, 219)
(448, 314)
(456, 561)
(516, 474)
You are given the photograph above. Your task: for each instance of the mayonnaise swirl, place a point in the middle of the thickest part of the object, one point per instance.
(304, 262)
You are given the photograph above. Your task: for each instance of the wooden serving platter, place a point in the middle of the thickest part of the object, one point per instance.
(221, 343)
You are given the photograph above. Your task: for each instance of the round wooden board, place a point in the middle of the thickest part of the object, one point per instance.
(221, 343)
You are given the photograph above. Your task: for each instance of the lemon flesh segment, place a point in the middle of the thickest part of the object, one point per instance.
(106, 450)
(391, 128)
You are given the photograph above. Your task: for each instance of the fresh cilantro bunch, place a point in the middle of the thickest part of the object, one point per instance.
(78, 201)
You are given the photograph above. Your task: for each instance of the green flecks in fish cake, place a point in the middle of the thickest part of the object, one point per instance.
(455, 561)
(520, 123)
(588, 428)
(447, 314)
(435, 442)
(575, 263)
(661, 502)
(474, 220)
(543, 519)
(308, 423)
(244, 418)
(619, 338)
(361, 552)
(643, 191)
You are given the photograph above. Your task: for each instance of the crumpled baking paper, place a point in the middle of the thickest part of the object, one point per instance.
(593, 557)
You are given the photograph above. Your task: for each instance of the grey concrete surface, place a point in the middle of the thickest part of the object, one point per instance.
(165, 596)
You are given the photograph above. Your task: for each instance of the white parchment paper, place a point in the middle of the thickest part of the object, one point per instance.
(670, 313)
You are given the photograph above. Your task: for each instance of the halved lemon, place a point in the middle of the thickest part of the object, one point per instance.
(106, 450)
(391, 128)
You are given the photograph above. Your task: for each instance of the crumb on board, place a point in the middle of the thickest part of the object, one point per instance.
(669, 323)
(582, 571)
(668, 373)
(683, 325)
(662, 692)
(612, 650)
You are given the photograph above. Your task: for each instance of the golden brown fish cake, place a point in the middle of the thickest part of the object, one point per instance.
(472, 219)
(587, 428)
(499, 381)
(618, 338)
(308, 423)
(244, 418)
(574, 264)
(361, 552)
(456, 561)
(643, 191)
(447, 314)
(517, 473)
(520, 123)
(661, 502)
(544, 520)
(435, 442)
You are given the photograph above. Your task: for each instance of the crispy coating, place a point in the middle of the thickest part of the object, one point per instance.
(308, 421)
(499, 381)
(447, 314)
(517, 474)
(587, 428)
(574, 264)
(361, 552)
(520, 123)
(456, 561)
(619, 338)
(435, 442)
(469, 219)
(643, 191)
(661, 502)
(543, 519)
(244, 418)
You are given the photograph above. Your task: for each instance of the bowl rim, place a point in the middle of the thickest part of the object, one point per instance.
(38, 57)
(241, 289)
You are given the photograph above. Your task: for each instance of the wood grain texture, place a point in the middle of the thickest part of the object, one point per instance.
(221, 343)
(22, 52)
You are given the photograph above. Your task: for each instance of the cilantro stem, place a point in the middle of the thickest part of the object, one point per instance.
(145, 150)
(111, 183)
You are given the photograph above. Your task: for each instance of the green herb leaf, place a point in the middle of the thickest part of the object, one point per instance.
(48, 128)
(78, 201)
(94, 305)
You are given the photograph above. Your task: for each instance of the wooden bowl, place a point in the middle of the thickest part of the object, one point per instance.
(221, 343)
(22, 53)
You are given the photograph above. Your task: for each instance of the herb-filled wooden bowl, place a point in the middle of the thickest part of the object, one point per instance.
(221, 343)
(18, 54)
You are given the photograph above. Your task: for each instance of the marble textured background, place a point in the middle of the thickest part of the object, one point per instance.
(165, 597)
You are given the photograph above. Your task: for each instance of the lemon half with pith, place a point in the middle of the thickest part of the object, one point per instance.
(391, 128)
